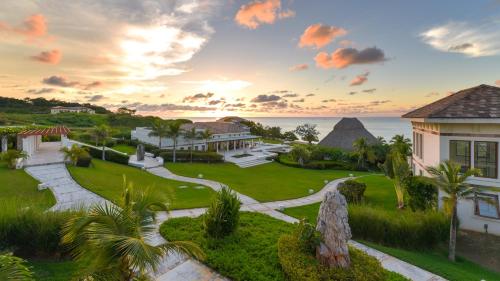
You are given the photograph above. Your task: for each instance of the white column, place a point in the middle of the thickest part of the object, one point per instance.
(217, 146)
(234, 145)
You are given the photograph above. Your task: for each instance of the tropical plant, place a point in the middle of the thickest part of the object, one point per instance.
(401, 144)
(159, 129)
(74, 153)
(401, 172)
(191, 135)
(307, 132)
(422, 193)
(101, 133)
(13, 268)
(363, 152)
(206, 135)
(223, 214)
(174, 130)
(10, 156)
(300, 154)
(289, 136)
(112, 241)
(449, 178)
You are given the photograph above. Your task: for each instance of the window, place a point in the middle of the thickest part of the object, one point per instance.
(486, 205)
(460, 153)
(485, 158)
(418, 145)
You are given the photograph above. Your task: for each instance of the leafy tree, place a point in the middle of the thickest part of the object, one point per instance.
(307, 132)
(191, 135)
(449, 178)
(74, 153)
(159, 129)
(101, 133)
(300, 154)
(174, 131)
(13, 268)
(223, 214)
(363, 152)
(126, 111)
(10, 156)
(290, 136)
(423, 194)
(111, 241)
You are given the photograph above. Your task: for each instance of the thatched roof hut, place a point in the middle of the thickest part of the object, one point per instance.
(345, 133)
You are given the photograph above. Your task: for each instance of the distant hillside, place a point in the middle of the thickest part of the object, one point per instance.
(40, 105)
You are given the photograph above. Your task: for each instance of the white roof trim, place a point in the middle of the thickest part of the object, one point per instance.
(458, 120)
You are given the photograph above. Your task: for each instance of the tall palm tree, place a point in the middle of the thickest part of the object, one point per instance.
(450, 180)
(174, 131)
(191, 135)
(159, 129)
(74, 153)
(402, 144)
(101, 133)
(111, 241)
(364, 152)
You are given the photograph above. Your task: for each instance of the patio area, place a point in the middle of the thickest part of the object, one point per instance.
(249, 157)
(47, 153)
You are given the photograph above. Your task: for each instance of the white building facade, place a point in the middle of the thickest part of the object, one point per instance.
(224, 136)
(464, 128)
(75, 109)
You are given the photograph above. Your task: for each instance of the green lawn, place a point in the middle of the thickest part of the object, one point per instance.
(124, 148)
(250, 253)
(268, 182)
(106, 179)
(19, 187)
(272, 141)
(52, 270)
(379, 192)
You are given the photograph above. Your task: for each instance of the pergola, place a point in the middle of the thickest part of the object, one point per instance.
(29, 140)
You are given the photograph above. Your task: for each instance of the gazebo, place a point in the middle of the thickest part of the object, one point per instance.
(30, 140)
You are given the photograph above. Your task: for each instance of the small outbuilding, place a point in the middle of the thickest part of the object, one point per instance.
(345, 133)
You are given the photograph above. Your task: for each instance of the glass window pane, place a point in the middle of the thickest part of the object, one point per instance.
(487, 206)
(485, 158)
(460, 153)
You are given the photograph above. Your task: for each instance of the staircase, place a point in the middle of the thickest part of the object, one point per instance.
(252, 162)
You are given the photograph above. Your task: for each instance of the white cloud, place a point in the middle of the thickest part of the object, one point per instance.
(465, 38)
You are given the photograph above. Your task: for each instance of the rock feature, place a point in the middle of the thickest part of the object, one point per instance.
(140, 152)
(334, 227)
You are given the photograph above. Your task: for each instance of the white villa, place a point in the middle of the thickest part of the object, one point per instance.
(464, 127)
(71, 109)
(225, 136)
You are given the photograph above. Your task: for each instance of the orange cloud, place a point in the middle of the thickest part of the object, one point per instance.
(260, 12)
(344, 57)
(299, 67)
(50, 57)
(33, 27)
(318, 35)
(360, 79)
(497, 82)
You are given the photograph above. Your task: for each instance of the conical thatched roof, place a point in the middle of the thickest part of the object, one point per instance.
(345, 133)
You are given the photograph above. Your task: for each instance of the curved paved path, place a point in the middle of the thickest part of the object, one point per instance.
(249, 204)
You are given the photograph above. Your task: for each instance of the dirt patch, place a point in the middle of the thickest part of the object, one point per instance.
(481, 248)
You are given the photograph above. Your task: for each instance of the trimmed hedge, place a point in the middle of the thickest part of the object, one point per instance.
(316, 165)
(423, 194)
(110, 156)
(84, 161)
(299, 265)
(411, 230)
(185, 156)
(352, 190)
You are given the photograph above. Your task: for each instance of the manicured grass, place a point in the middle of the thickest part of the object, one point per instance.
(17, 186)
(106, 179)
(124, 148)
(436, 261)
(272, 141)
(268, 182)
(380, 192)
(310, 212)
(53, 270)
(249, 254)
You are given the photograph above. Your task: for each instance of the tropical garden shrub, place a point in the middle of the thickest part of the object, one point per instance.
(300, 154)
(314, 165)
(352, 190)
(185, 156)
(401, 229)
(110, 155)
(307, 236)
(14, 268)
(84, 161)
(75, 153)
(300, 265)
(223, 214)
(10, 157)
(422, 192)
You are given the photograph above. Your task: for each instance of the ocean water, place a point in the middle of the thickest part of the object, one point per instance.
(385, 127)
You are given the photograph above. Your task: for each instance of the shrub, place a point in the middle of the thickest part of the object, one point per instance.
(84, 161)
(409, 230)
(185, 156)
(110, 156)
(299, 265)
(300, 154)
(315, 165)
(352, 190)
(223, 214)
(10, 156)
(423, 194)
(307, 236)
(30, 232)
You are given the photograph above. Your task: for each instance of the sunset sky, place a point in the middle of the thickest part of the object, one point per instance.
(248, 58)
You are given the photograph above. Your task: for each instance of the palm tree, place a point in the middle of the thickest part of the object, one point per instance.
(74, 153)
(111, 241)
(14, 268)
(364, 152)
(206, 135)
(159, 129)
(191, 135)
(174, 130)
(402, 144)
(400, 173)
(101, 133)
(450, 180)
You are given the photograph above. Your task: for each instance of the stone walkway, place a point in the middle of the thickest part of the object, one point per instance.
(68, 193)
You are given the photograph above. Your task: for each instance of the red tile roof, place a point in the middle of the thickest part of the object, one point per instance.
(53, 131)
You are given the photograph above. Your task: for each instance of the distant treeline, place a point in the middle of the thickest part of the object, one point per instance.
(40, 105)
